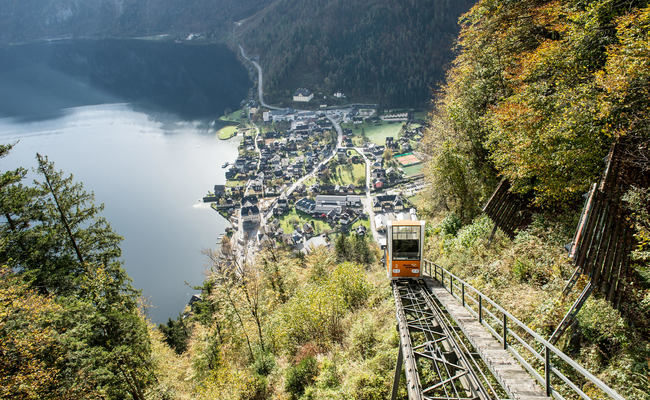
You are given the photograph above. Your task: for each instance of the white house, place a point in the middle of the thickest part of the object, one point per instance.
(303, 95)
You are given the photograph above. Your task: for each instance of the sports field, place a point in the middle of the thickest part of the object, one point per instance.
(407, 159)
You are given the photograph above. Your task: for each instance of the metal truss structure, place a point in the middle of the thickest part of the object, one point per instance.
(438, 365)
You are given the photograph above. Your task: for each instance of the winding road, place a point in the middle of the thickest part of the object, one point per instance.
(248, 250)
(260, 80)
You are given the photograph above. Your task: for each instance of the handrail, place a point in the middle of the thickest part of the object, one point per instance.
(508, 321)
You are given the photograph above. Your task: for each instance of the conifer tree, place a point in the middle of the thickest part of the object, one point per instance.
(53, 236)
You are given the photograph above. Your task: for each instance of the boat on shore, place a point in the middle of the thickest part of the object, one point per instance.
(225, 165)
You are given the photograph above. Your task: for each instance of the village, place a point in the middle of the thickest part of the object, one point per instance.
(304, 176)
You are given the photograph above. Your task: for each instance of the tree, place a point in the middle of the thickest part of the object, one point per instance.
(341, 247)
(388, 154)
(33, 354)
(539, 100)
(176, 334)
(55, 239)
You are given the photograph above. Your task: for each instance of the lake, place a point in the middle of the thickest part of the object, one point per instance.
(148, 158)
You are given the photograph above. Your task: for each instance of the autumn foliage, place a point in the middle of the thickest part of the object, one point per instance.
(538, 92)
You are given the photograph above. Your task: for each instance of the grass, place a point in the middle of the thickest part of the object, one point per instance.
(234, 183)
(376, 132)
(235, 116)
(413, 170)
(361, 221)
(344, 176)
(226, 132)
(288, 220)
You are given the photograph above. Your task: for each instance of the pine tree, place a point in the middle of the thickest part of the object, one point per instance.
(54, 237)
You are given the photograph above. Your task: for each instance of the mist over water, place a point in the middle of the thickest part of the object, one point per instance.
(148, 161)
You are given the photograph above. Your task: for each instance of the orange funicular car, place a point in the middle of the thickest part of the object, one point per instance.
(404, 248)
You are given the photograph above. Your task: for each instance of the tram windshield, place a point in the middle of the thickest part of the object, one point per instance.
(406, 242)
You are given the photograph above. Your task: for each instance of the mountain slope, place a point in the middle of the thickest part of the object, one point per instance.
(23, 20)
(385, 51)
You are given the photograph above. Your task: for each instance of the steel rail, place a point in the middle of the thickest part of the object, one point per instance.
(439, 273)
(464, 352)
(429, 340)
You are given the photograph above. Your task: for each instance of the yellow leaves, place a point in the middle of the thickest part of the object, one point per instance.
(28, 341)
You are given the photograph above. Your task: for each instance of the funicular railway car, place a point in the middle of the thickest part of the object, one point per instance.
(404, 249)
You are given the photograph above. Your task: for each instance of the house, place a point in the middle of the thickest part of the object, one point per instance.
(231, 173)
(297, 237)
(307, 229)
(341, 154)
(378, 173)
(339, 95)
(250, 214)
(339, 201)
(251, 200)
(395, 117)
(305, 205)
(303, 95)
(282, 204)
(388, 202)
(314, 243)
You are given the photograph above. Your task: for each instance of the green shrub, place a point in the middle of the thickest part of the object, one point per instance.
(299, 376)
(255, 388)
(521, 270)
(264, 363)
(329, 376)
(348, 281)
(369, 385)
(451, 224)
(479, 228)
(602, 325)
(364, 339)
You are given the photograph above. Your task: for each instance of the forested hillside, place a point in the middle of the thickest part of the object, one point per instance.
(41, 19)
(537, 94)
(391, 52)
(70, 325)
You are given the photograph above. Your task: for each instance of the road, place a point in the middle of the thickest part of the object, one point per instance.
(248, 248)
(368, 200)
(260, 80)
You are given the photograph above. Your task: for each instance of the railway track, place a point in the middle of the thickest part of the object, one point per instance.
(439, 364)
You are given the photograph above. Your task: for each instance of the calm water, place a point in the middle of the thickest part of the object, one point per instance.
(150, 168)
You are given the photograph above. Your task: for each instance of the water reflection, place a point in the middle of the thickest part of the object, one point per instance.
(150, 174)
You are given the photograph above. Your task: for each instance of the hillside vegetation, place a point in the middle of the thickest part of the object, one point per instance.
(537, 94)
(42, 19)
(391, 52)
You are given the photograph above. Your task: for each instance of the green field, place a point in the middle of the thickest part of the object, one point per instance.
(235, 183)
(376, 132)
(362, 221)
(287, 222)
(413, 170)
(234, 116)
(227, 132)
(344, 176)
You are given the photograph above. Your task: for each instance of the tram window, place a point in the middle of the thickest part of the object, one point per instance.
(406, 242)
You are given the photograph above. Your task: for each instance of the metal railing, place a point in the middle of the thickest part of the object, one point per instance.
(539, 357)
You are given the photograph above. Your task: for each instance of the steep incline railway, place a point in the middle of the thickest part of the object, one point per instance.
(456, 343)
(430, 342)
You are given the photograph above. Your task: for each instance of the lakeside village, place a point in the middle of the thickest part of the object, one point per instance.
(303, 176)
